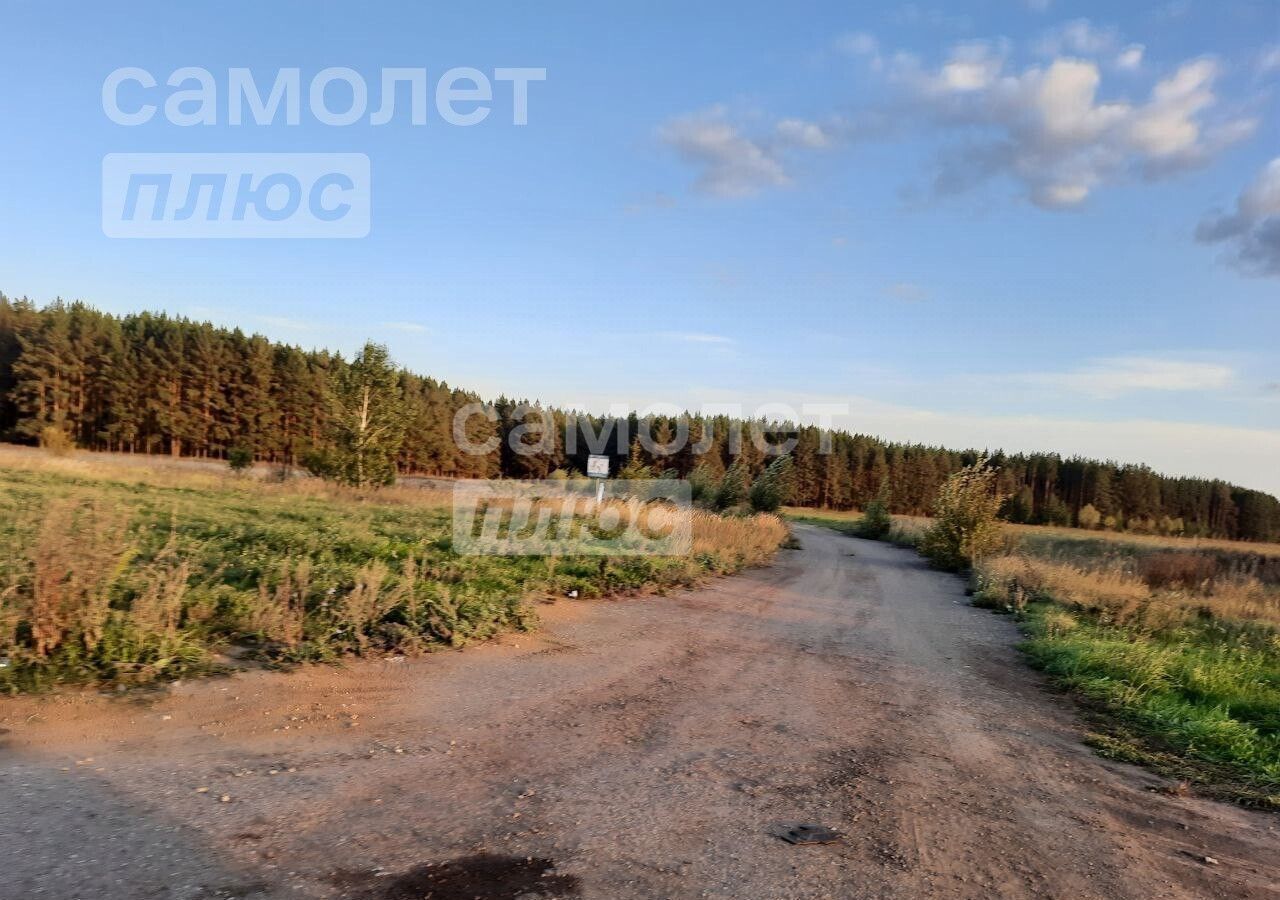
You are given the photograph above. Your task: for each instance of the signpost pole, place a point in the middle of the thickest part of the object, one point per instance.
(598, 468)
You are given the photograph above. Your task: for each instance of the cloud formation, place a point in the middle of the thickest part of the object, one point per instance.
(1116, 376)
(1048, 129)
(695, 337)
(730, 163)
(1251, 232)
(1048, 126)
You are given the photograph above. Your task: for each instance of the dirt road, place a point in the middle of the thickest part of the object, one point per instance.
(647, 747)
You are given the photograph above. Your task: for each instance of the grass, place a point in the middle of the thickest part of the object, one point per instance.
(120, 574)
(1172, 646)
(905, 532)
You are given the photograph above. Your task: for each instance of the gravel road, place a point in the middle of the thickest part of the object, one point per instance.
(637, 748)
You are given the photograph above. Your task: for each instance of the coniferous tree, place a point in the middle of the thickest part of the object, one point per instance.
(157, 384)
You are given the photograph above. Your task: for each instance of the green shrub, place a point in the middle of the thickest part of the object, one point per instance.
(733, 486)
(703, 484)
(773, 488)
(876, 521)
(965, 526)
(240, 459)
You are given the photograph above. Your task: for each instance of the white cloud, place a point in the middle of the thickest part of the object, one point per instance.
(1078, 37)
(972, 67)
(799, 133)
(1167, 125)
(1252, 231)
(1052, 132)
(1114, 377)
(695, 337)
(407, 327)
(1268, 60)
(1130, 58)
(732, 165)
(1050, 128)
(1038, 5)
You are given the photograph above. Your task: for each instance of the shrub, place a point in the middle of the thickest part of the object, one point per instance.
(56, 441)
(703, 484)
(1089, 517)
(240, 459)
(876, 521)
(733, 486)
(319, 463)
(965, 527)
(1188, 571)
(773, 487)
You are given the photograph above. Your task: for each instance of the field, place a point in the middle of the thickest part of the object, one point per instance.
(118, 573)
(1173, 644)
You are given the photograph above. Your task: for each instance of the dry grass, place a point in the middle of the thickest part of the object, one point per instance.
(909, 525)
(1156, 541)
(749, 541)
(112, 571)
(163, 472)
(1118, 596)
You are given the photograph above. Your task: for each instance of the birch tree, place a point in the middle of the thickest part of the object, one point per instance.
(368, 419)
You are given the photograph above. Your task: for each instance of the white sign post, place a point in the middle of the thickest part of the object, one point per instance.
(598, 467)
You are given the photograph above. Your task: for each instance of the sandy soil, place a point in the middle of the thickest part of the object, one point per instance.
(649, 747)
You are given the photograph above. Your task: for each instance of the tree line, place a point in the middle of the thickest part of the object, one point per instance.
(153, 383)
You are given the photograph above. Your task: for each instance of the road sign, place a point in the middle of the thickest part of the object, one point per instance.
(597, 466)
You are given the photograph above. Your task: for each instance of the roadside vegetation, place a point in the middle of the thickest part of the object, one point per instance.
(145, 383)
(1173, 647)
(126, 574)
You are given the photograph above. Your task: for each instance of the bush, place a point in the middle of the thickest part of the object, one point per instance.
(56, 441)
(703, 484)
(240, 459)
(876, 523)
(965, 527)
(319, 463)
(773, 487)
(733, 486)
(1089, 517)
(1188, 571)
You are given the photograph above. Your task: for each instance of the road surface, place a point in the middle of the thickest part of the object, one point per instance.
(638, 748)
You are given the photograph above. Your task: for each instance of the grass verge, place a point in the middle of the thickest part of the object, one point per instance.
(128, 577)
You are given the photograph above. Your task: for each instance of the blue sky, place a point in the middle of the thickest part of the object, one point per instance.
(1042, 225)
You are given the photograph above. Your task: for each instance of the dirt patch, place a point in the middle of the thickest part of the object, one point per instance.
(483, 876)
(652, 754)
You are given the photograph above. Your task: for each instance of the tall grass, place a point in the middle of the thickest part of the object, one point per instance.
(121, 574)
(1188, 666)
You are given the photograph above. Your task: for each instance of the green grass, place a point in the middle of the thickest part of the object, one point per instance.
(107, 580)
(1197, 699)
(904, 533)
(1201, 701)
